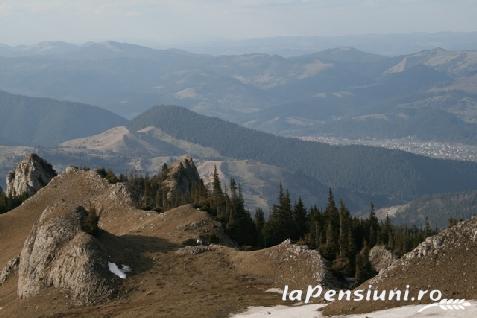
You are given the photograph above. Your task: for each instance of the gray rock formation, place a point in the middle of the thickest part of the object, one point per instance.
(61, 251)
(181, 179)
(380, 258)
(461, 237)
(9, 269)
(30, 175)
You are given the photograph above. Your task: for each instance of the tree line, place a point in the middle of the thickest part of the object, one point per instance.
(342, 239)
(7, 203)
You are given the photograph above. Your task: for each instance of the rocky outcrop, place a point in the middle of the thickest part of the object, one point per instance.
(30, 175)
(288, 264)
(9, 269)
(180, 180)
(62, 251)
(380, 258)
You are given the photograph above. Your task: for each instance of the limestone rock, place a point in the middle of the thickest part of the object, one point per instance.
(61, 252)
(380, 258)
(180, 179)
(288, 264)
(8, 269)
(30, 175)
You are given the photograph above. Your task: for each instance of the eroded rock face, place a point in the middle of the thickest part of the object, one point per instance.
(380, 258)
(9, 269)
(30, 175)
(181, 179)
(62, 252)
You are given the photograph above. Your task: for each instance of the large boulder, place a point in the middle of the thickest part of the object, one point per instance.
(287, 264)
(62, 252)
(380, 258)
(30, 175)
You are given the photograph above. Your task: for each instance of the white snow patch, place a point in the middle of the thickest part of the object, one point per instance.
(113, 268)
(281, 311)
(274, 290)
(310, 311)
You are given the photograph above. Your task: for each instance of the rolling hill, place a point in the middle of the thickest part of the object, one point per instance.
(30, 121)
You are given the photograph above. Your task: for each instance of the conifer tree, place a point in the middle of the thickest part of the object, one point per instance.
(373, 227)
(299, 219)
(217, 197)
(387, 237)
(344, 231)
(280, 226)
(363, 269)
(331, 248)
(3, 202)
(240, 226)
(259, 225)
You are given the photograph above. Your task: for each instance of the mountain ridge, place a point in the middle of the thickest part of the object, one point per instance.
(44, 121)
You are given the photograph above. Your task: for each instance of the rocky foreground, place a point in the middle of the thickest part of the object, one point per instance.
(59, 245)
(79, 248)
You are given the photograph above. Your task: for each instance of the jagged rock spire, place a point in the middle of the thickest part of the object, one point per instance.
(30, 175)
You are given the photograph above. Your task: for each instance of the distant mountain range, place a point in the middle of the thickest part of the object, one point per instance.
(383, 44)
(343, 92)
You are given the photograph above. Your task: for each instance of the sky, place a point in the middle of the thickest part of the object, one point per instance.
(182, 21)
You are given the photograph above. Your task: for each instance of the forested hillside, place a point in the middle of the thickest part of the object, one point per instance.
(365, 169)
(438, 209)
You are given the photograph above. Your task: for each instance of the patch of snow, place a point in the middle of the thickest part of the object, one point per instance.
(281, 311)
(274, 290)
(311, 311)
(113, 268)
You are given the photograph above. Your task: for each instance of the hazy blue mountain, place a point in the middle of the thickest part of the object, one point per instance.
(44, 121)
(384, 44)
(340, 92)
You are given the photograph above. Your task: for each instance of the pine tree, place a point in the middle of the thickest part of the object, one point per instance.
(331, 248)
(373, 227)
(314, 235)
(3, 202)
(363, 270)
(387, 237)
(300, 220)
(164, 169)
(240, 226)
(280, 226)
(344, 230)
(259, 225)
(217, 197)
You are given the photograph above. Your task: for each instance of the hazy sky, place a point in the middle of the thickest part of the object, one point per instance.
(176, 21)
